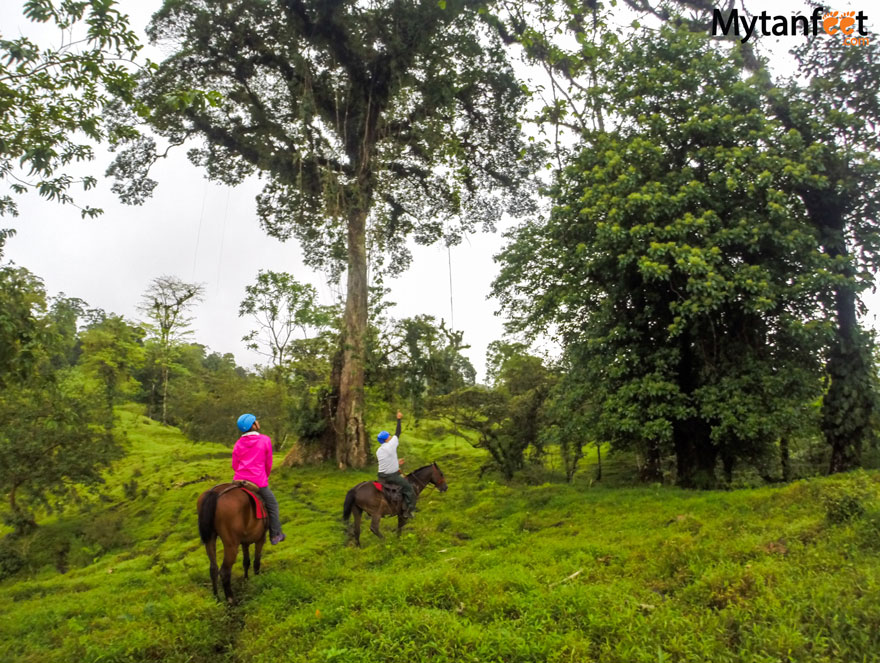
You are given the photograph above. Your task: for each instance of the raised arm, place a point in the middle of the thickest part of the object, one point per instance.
(399, 417)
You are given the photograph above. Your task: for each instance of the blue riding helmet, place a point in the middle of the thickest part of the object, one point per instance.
(384, 435)
(246, 422)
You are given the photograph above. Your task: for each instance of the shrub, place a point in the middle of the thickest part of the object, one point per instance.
(130, 489)
(843, 508)
(846, 500)
(106, 531)
(11, 560)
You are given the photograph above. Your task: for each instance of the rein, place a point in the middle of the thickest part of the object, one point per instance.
(421, 485)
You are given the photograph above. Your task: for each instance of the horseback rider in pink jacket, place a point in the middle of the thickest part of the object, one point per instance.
(252, 461)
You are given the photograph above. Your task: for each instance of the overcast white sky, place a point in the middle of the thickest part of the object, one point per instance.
(206, 233)
(202, 232)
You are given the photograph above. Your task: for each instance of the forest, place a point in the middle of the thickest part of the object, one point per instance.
(672, 452)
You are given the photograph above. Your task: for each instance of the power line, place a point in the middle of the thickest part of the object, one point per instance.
(199, 232)
(223, 236)
(451, 311)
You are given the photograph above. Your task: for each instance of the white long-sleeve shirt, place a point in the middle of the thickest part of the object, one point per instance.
(387, 455)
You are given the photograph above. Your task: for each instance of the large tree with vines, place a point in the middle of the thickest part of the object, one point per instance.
(370, 121)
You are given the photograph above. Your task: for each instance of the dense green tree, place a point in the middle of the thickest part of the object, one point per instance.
(831, 105)
(497, 354)
(51, 436)
(836, 114)
(678, 267)
(112, 351)
(281, 306)
(65, 315)
(52, 440)
(24, 330)
(370, 122)
(208, 394)
(167, 303)
(52, 98)
(210, 390)
(506, 418)
(428, 359)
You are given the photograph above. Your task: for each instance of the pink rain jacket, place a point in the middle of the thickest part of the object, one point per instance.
(252, 458)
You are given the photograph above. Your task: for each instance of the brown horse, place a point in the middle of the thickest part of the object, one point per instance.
(231, 517)
(366, 497)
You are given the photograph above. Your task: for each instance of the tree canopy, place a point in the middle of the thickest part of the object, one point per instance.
(52, 98)
(167, 303)
(281, 306)
(678, 266)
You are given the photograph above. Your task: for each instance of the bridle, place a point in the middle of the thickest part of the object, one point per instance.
(420, 484)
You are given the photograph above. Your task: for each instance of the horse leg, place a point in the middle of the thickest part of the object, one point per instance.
(258, 554)
(374, 525)
(211, 549)
(230, 552)
(401, 521)
(246, 552)
(357, 512)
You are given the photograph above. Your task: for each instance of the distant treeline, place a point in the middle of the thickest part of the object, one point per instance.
(64, 367)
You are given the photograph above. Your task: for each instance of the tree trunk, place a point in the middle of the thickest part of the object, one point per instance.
(849, 401)
(652, 471)
(111, 399)
(695, 454)
(598, 463)
(151, 402)
(164, 394)
(728, 462)
(785, 458)
(351, 440)
(846, 408)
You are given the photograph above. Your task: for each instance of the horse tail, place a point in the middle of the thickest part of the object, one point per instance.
(206, 516)
(349, 503)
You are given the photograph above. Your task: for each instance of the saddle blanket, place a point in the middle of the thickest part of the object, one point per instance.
(261, 510)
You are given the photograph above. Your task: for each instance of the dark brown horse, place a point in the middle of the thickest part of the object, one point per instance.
(230, 516)
(366, 497)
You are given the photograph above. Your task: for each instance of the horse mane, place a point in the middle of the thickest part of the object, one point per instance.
(419, 469)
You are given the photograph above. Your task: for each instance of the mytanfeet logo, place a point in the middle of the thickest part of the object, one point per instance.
(849, 25)
(845, 25)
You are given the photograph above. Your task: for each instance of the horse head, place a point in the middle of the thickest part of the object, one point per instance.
(437, 478)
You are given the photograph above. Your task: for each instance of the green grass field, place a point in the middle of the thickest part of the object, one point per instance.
(487, 571)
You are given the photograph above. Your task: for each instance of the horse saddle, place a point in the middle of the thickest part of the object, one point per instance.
(253, 492)
(391, 491)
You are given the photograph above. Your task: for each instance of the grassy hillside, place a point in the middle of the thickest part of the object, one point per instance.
(487, 572)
